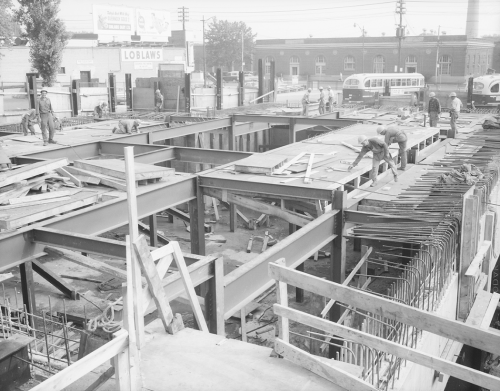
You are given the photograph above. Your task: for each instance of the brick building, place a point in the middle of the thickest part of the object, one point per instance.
(321, 58)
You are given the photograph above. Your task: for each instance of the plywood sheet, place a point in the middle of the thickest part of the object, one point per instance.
(116, 169)
(260, 163)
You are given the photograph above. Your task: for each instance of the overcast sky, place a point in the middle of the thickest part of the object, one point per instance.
(301, 19)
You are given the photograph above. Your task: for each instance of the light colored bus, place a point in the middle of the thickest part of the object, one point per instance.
(365, 88)
(486, 90)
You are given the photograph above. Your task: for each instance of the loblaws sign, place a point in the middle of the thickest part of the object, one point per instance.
(142, 55)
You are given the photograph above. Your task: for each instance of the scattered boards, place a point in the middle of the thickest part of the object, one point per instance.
(260, 164)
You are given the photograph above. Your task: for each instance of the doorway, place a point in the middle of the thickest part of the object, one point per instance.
(84, 76)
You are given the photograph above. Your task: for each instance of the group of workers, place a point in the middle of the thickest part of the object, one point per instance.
(46, 118)
(323, 103)
(434, 110)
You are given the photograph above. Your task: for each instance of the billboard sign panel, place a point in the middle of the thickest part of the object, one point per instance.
(141, 55)
(152, 24)
(113, 20)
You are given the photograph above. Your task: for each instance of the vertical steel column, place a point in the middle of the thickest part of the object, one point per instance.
(112, 92)
(32, 90)
(75, 97)
(187, 92)
(128, 91)
(272, 80)
(337, 257)
(261, 81)
(214, 299)
(153, 230)
(197, 222)
(28, 286)
(291, 130)
(241, 82)
(218, 105)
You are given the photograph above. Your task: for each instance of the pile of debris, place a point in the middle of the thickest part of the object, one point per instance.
(466, 173)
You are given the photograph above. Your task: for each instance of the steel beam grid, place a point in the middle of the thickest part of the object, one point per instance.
(309, 121)
(269, 189)
(208, 156)
(18, 246)
(251, 279)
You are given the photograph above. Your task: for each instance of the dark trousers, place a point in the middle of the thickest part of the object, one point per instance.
(46, 120)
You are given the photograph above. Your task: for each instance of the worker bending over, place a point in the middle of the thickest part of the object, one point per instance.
(127, 126)
(394, 135)
(380, 152)
(27, 121)
(100, 110)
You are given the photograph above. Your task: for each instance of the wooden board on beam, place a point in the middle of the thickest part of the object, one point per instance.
(31, 170)
(260, 164)
(116, 168)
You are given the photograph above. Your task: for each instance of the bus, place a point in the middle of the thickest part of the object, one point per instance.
(486, 90)
(365, 88)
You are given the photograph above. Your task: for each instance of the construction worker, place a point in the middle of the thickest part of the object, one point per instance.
(380, 152)
(27, 121)
(158, 101)
(46, 119)
(434, 109)
(305, 101)
(330, 99)
(455, 106)
(321, 106)
(393, 134)
(127, 126)
(100, 110)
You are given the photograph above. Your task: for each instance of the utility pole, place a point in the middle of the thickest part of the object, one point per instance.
(400, 31)
(183, 14)
(204, 56)
(242, 52)
(437, 54)
(363, 34)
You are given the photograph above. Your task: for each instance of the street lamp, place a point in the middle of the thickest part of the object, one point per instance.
(204, 53)
(363, 32)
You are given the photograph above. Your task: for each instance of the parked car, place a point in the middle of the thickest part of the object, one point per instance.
(230, 76)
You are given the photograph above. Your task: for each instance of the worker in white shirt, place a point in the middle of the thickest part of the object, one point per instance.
(455, 106)
(330, 99)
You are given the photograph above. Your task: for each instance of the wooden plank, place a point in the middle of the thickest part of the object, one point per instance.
(348, 280)
(285, 166)
(465, 256)
(33, 203)
(307, 178)
(490, 311)
(23, 216)
(479, 308)
(88, 179)
(32, 170)
(71, 177)
(103, 179)
(155, 287)
(282, 299)
(188, 286)
(311, 363)
(40, 197)
(116, 168)
(406, 353)
(86, 364)
(260, 163)
(391, 310)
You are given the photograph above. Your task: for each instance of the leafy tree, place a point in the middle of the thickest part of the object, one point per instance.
(46, 34)
(6, 23)
(223, 45)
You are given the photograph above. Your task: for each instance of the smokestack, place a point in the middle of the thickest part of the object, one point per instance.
(472, 28)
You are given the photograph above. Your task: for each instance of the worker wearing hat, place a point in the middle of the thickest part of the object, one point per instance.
(321, 106)
(380, 152)
(330, 99)
(455, 106)
(100, 109)
(434, 109)
(127, 126)
(393, 134)
(46, 118)
(305, 101)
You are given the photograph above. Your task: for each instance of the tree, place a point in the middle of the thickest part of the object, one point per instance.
(46, 34)
(224, 44)
(6, 23)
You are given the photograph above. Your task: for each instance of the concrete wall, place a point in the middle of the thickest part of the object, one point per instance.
(98, 60)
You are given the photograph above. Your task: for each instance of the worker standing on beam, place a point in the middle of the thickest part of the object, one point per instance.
(158, 101)
(393, 134)
(321, 106)
(330, 99)
(434, 109)
(305, 101)
(455, 106)
(46, 119)
(380, 152)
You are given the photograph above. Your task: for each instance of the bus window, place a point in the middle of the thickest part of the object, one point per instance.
(367, 83)
(408, 82)
(373, 83)
(393, 82)
(403, 82)
(422, 82)
(380, 83)
(495, 87)
(414, 82)
(398, 82)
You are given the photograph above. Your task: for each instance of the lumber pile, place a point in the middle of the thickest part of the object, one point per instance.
(34, 192)
(111, 172)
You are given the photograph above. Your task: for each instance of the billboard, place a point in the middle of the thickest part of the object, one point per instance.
(113, 20)
(152, 24)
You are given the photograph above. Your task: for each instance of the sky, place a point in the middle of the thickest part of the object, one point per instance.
(289, 19)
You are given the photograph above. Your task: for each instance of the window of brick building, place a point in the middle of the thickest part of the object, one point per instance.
(294, 65)
(445, 65)
(320, 65)
(379, 64)
(411, 64)
(349, 63)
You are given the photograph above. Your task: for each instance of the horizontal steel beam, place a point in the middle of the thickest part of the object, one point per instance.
(248, 281)
(268, 119)
(208, 156)
(188, 118)
(309, 121)
(116, 148)
(249, 127)
(73, 152)
(353, 216)
(186, 130)
(269, 189)
(330, 122)
(17, 246)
